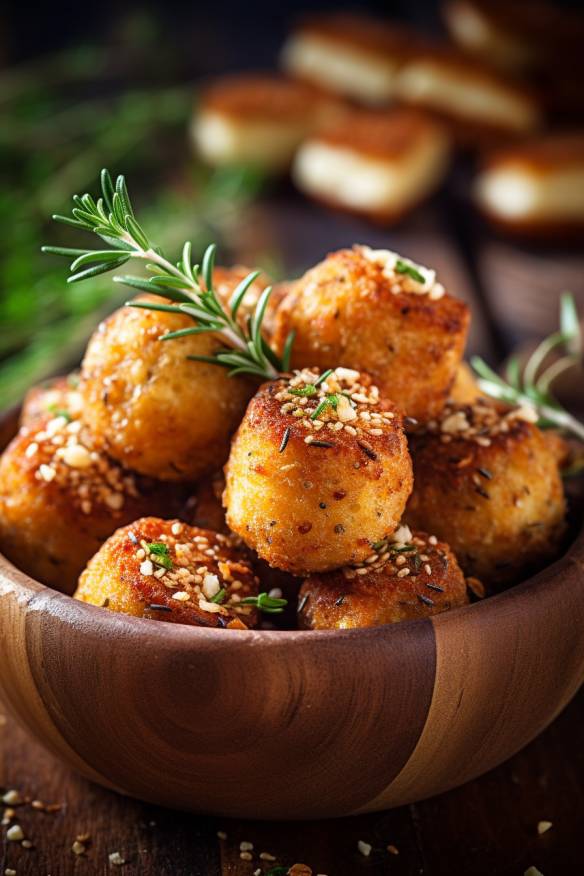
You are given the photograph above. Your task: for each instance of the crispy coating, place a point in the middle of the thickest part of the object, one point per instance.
(487, 481)
(407, 577)
(177, 580)
(51, 398)
(353, 309)
(312, 494)
(152, 408)
(60, 498)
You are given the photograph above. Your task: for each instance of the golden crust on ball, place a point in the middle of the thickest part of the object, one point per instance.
(152, 408)
(486, 480)
(309, 485)
(407, 577)
(170, 571)
(60, 498)
(354, 309)
(51, 398)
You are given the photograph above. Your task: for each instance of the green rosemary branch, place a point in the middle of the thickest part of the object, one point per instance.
(265, 603)
(532, 385)
(187, 285)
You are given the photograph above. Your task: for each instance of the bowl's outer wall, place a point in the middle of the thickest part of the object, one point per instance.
(291, 724)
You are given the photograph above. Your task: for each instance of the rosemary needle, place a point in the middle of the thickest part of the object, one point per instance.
(189, 287)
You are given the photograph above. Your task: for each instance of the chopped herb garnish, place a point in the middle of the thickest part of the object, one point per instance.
(405, 549)
(323, 376)
(306, 391)
(434, 587)
(402, 267)
(59, 412)
(285, 439)
(321, 444)
(367, 450)
(331, 401)
(265, 603)
(219, 596)
(159, 554)
(277, 871)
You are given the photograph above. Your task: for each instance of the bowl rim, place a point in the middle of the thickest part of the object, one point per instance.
(25, 586)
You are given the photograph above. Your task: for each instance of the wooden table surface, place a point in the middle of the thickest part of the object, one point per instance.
(489, 826)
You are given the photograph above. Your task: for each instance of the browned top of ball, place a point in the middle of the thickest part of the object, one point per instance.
(407, 576)
(260, 97)
(385, 135)
(332, 411)
(362, 273)
(59, 453)
(178, 571)
(467, 434)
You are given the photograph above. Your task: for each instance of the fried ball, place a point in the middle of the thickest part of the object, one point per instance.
(376, 312)
(318, 470)
(152, 408)
(170, 571)
(59, 395)
(60, 498)
(487, 482)
(406, 577)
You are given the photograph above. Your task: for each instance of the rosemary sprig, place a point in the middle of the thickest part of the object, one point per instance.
(532, 385)
(187, 285)
(265, 603)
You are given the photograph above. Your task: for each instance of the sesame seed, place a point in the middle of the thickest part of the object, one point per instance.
(376, 431)
(211, 585)
(14, 834)
(245, 846)
(364, 848)
(78, 848)
(221, 835)
(210, 607)
(114, 501)
(76, 456)
(175, 528)
(433, 540)
(403, 573)
(11, 798)
(428, 569)
(31, 449)
(46, 472)
(116, 859)
(181, 596)
(246, 856)
(266, 856)
(543, 827)
(146, 568)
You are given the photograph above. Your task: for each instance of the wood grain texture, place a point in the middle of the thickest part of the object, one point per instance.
(291, 724)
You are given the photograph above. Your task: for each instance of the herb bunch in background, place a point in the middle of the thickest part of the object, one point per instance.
(56, 143)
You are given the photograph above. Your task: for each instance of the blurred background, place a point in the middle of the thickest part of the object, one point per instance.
(127, 86)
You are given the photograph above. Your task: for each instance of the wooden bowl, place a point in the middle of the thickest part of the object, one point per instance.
(279, 725)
